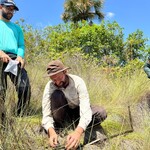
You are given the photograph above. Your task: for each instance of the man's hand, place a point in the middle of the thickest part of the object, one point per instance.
(73, 139)
(21, 61)
(4, 57)
(53, 137)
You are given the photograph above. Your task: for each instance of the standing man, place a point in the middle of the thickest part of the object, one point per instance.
(12, 49)
(66, 99)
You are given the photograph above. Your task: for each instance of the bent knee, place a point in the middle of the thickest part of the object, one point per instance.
(99, 113)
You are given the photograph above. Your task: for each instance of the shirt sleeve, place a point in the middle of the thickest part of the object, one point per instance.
(84, 103)
(21, 45)
(47, 120)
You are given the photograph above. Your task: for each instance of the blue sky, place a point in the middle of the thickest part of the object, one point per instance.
(130, 14)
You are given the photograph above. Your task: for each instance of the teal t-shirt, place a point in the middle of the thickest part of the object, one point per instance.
(11, 38)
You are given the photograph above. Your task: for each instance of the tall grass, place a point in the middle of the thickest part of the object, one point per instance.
(110, 90)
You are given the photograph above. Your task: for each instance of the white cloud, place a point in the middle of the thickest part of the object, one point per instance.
(110, 15)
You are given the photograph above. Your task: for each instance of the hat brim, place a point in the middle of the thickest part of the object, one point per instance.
(51, 74)
(9, 4)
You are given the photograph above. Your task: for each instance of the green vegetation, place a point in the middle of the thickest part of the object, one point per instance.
(105, 43)
(112, 69)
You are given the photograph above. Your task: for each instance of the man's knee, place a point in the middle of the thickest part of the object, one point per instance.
(58, 105)
(58, 99)
(99, 114)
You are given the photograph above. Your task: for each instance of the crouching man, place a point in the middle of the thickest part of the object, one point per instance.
(66, 99)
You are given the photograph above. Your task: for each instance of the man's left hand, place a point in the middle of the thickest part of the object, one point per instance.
(73, 140)
(21, 61)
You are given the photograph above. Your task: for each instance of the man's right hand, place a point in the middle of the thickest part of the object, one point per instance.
(53, 137)
(4, 57)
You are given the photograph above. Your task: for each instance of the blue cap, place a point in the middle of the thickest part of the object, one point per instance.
(9, 3)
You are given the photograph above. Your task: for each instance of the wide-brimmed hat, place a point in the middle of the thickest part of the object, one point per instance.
(55, 67)
(9, 3)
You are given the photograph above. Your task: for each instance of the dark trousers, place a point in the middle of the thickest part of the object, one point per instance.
(62, 113)
(22, 85)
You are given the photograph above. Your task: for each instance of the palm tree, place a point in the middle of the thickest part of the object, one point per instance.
(78, 10)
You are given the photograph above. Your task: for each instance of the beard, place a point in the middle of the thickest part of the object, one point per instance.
(7, 16)
(61, 84)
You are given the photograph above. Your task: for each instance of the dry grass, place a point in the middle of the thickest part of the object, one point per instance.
(115, 94)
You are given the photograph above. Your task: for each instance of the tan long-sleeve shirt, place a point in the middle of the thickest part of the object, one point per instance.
(76, 94)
